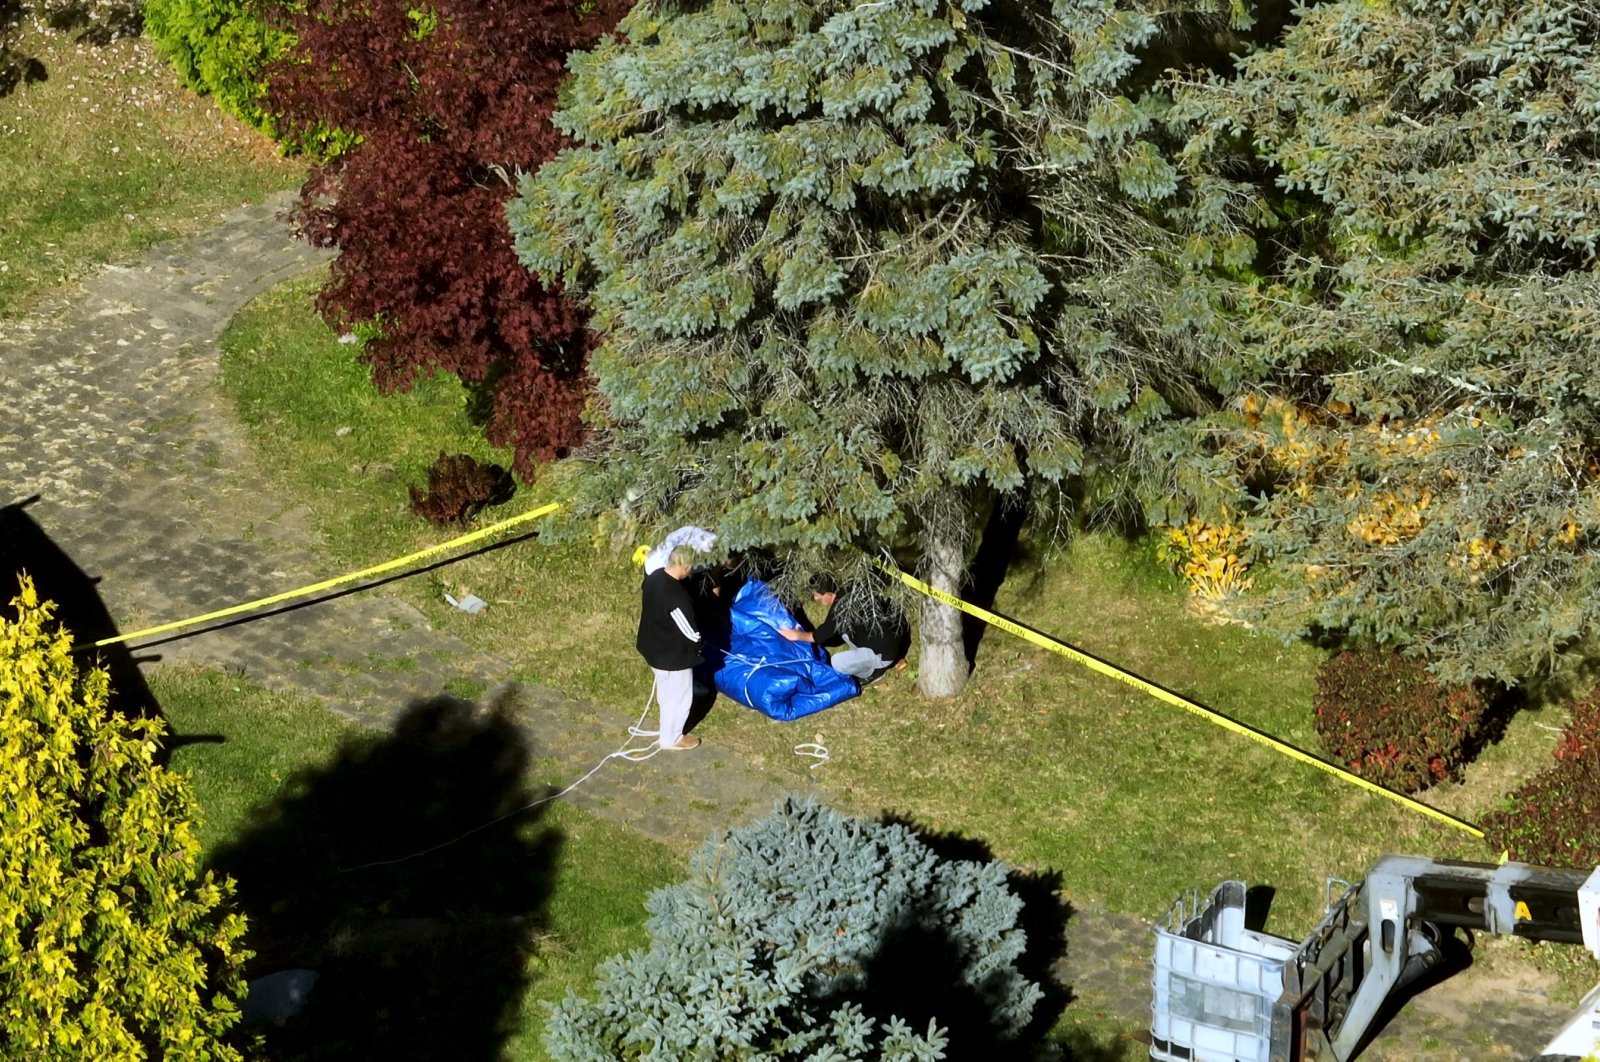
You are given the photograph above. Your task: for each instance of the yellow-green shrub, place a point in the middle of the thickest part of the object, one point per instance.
(113, 943)
(222, 47)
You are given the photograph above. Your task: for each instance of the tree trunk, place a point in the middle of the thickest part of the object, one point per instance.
(942, 668)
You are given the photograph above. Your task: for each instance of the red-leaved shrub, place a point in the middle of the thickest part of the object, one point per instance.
(459, 487)
(1384, 717)
(1554, 817)
(450, 98)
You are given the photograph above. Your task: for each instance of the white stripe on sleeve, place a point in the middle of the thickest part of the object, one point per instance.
(684, 625)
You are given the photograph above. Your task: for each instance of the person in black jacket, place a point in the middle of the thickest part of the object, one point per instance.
(875, 634)
(669, 641)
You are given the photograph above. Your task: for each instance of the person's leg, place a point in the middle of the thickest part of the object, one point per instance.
(675, 695)
(880, 672)
(858, 663)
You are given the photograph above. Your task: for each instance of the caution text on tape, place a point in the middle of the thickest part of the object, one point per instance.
(1101, 667)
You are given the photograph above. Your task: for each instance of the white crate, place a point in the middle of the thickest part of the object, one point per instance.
(1215, 982)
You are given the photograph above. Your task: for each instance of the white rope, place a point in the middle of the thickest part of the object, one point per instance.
(814, 749)
(632, 755)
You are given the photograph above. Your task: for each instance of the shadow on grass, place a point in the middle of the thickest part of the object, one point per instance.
(87, 25)
(26, 548)
(990, 564)
(418, 955)
(916, 970)
(16, 67)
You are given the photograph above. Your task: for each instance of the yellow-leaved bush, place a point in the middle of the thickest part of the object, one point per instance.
(1211, 556)
(113, 942)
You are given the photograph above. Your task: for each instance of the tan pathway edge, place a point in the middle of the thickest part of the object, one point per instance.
(146, 480)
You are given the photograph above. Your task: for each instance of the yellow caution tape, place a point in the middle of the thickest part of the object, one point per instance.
(1100, 666)
(1043, 641)
(329, 584)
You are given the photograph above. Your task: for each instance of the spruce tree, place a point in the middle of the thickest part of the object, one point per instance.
(1407, 274)
(830, 298)
(789, 941)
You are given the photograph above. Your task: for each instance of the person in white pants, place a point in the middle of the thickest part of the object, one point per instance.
(669, 641)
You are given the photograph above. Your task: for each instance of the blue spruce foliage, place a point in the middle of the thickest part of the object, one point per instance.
(810, 934)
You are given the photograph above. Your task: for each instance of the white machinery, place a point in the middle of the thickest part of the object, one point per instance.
(1223, 993)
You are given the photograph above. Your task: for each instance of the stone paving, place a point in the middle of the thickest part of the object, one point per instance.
(146, 480)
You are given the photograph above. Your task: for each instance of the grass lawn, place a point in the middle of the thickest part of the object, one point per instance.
(250, 752)
(1051, 764)
(105, 157)
(1054, 767)
(108, 155)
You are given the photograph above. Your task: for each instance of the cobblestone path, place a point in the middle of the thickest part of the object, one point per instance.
(146, 481)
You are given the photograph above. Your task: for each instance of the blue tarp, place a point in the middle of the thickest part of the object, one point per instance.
(763, 670)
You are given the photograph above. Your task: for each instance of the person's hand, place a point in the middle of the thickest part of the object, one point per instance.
(794, 634)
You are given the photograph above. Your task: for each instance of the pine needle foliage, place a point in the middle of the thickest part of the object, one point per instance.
(115, 944)
(815, 240)
(777, 947)
(1404, 262)
(798, 264)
